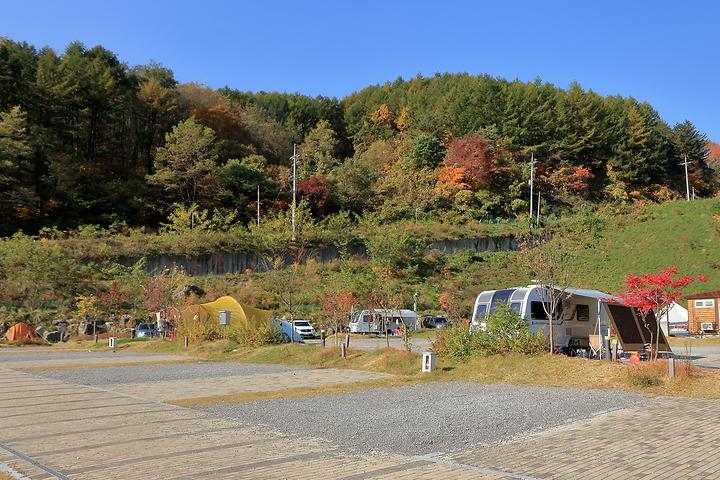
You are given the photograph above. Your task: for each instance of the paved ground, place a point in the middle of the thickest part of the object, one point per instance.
(53, 429)
(144, 374)
(428, 417)
(705, 357)
(45, 359)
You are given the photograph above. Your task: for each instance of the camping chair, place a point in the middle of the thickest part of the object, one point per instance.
(595, 346)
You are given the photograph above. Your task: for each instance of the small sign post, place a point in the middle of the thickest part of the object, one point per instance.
(428, 362)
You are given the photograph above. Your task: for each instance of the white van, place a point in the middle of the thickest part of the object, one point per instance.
(382, 321)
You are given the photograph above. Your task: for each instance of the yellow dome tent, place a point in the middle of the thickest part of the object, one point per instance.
(241, 315)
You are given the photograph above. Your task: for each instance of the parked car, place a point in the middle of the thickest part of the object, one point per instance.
(304, 329)
(146, 330)
(431, 321)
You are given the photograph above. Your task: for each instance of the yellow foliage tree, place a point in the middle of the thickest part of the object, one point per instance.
(403, 120)
(383, 115)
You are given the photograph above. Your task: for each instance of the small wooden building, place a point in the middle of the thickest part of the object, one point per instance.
(704, 312)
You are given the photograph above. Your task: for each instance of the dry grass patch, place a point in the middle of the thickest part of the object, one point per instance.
(5, 476)
(560, 371)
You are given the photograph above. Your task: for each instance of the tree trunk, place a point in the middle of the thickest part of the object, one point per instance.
(552, 337)
(657, 336)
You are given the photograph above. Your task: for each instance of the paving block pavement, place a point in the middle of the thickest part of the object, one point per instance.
(114, 435)
(261, 382)
(51, 429)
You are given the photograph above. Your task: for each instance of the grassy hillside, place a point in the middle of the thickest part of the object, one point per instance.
(39, 280)
(681, 234)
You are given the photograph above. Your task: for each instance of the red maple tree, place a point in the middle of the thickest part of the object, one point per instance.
(655, 292)
(478, 166)
(317, 191)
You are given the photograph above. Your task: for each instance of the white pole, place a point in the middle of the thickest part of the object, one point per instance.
(258, 206)
(687, 179)
(537, 222)
(294, 185)
(532, 179)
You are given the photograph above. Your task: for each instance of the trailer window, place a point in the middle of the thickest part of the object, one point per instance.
(537, 311)
(515, 306)
(501, 296)
(583, 313)
(481, 311)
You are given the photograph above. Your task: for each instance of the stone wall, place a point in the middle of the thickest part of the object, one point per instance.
(222, 263)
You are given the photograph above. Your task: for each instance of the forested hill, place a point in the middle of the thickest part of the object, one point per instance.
(87, 139)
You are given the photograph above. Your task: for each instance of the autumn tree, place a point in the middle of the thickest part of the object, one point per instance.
(470, 157)
(337, 305)
(655, 292)
(232, 136)
(382, 116)
(186, 165)
(402, 122)
(317, 191)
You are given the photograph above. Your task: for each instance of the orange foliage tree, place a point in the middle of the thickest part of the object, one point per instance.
(336, 305)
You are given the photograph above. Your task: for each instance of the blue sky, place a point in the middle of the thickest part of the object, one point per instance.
(667, 53)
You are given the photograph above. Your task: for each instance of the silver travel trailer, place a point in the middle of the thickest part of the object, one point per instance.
(381, 321)
(580, 314)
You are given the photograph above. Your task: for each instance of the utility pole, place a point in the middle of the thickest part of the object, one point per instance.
(258, 205)
(687, 179)
(294, 159)
(530, 182)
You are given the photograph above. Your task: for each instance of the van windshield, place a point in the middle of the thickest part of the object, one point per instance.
(302, 323)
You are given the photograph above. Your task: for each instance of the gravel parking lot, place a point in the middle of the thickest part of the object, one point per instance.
(161, 372)
(426, 418)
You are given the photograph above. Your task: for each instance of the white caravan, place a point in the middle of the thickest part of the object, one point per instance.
(579, 315)
(381, 321)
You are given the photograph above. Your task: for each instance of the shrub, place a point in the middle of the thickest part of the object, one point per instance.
(506, 332)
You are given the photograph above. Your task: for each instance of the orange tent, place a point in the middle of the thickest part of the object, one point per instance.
(21, 331)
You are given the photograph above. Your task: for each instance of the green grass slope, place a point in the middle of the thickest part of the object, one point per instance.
(675, 234)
